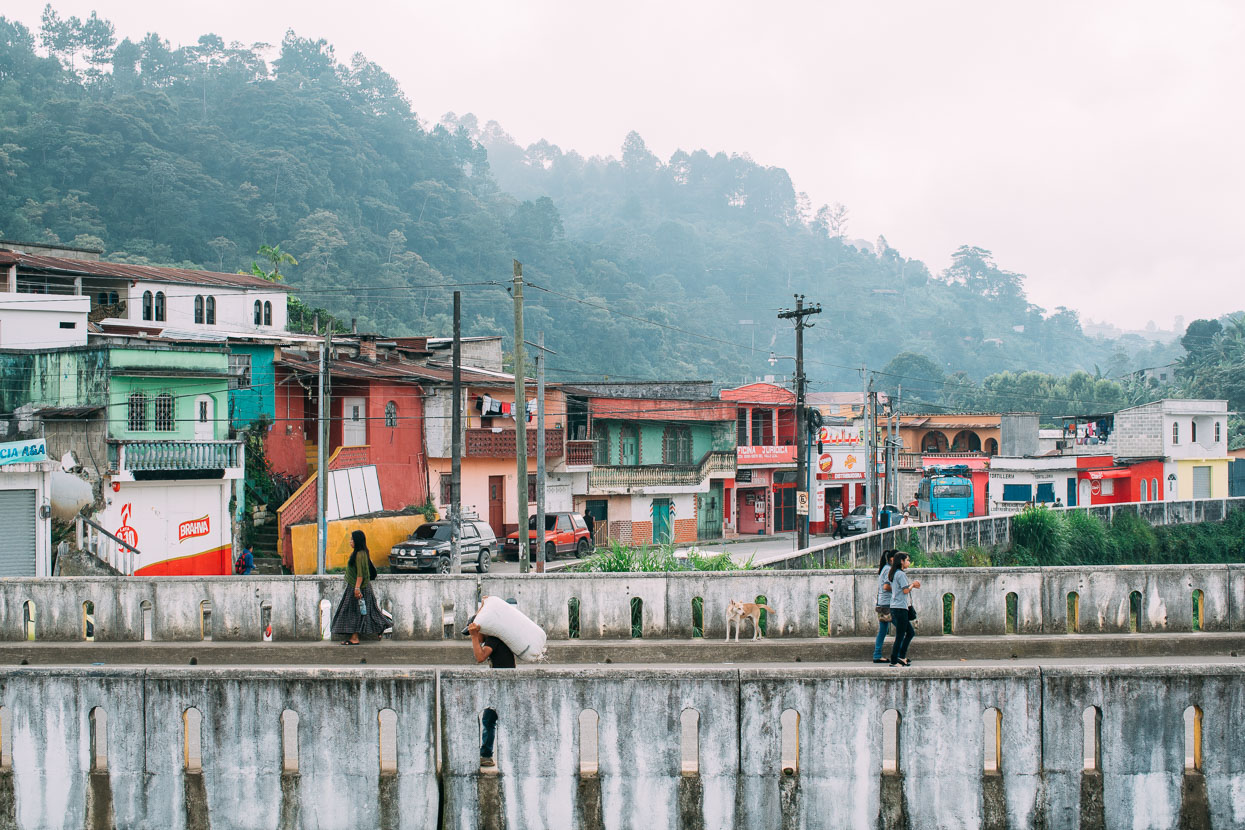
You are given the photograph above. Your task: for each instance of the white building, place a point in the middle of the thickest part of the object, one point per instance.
(25, 506)
(177, 301)
(1014, 482)
(1192, 435)
(34, 321)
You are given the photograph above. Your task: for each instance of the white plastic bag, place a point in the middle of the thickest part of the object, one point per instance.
(498, 618)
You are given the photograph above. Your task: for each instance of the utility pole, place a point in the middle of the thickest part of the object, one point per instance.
(322, 441)
(520, 422)
(540, 455)
(870, 443)
(540, 449)
(456, 443)
(801, 428)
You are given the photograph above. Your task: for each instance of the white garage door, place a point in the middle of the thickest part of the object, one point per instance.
(17, 542)
(1201, 482)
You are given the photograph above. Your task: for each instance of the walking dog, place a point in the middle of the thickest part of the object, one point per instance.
(737, 612)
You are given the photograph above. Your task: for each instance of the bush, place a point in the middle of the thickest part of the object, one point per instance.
(1089, 541)
(1041, 533)
(1136, 541)
(620, 558)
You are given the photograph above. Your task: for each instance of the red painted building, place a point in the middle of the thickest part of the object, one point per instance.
(1102, 479)
(376, 407)
(761, 498)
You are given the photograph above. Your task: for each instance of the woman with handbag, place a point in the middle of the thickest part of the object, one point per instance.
(358, 612)
(883, 605)
(901, 605)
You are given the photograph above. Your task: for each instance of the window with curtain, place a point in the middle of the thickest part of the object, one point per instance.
(391, 414)
(259, 313)
(267, 314)
(160, 309)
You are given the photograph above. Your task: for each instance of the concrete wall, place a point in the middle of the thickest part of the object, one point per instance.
(663, 606)
(642, 770)
(34, 321)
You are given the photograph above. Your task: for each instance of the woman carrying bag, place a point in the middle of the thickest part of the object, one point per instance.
(358, 612)
(901, 605)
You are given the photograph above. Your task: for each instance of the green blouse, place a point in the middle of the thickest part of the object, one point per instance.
(352, 571)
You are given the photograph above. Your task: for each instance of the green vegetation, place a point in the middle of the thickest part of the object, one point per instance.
(1046, 538)
(620, 558)
(202, 154)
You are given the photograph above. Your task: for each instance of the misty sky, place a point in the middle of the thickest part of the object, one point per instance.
(1095, 147)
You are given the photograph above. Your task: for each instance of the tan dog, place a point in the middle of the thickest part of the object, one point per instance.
(737, 612)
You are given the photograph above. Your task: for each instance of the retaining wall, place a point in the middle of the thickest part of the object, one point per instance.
(637, 767)
(988, 532)
(610, 605)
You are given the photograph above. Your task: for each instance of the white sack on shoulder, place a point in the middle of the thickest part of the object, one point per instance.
(498, 618)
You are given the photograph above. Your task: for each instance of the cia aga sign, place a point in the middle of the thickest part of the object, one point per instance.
(23, 452)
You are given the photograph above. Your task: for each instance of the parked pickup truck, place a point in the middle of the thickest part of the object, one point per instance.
(564, 533)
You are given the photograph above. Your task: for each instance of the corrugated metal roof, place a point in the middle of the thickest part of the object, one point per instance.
(394, 370)
(87, 268)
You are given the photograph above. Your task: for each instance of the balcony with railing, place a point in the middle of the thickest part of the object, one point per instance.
(125, 458)
(486, 443)
(580, 453)
(713, 465)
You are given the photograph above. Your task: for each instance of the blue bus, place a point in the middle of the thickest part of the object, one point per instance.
(945, 493)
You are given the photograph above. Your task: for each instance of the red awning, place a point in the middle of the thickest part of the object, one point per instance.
(1095, 475)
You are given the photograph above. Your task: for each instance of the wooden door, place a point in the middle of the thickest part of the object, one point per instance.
(709, 512)
(630, 450)
(497, 505)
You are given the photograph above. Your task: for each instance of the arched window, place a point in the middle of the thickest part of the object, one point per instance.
(199, 309)
(136, 416)
(934, 441)
(165, 408)
(210, 311)
(1154, 489)
(148, 305)
(259, 313)
(1193, 430)
(677, 445)
(160, 310)
(267, 313)
(391, 414)
(1175, 432)
(966, 441)
(992, 447)
(1143, 495)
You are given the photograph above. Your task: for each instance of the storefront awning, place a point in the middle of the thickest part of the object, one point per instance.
(1095, 475)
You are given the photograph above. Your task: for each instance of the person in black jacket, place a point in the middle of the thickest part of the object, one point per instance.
(499, 656)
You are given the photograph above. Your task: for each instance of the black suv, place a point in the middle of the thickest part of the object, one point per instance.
(428, 548)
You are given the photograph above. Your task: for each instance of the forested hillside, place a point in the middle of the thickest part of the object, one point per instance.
(641, 267)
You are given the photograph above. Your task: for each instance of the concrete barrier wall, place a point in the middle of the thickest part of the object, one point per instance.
(643, 770)
(988, 532)
(436, 607)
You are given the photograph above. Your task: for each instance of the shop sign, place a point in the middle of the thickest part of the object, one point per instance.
(201, 526)
(842, 465)
(23, 452)
(743, 476)
(840, 435)
(765, 455)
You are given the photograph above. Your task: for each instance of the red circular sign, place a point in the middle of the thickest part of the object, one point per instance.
(1095, 487)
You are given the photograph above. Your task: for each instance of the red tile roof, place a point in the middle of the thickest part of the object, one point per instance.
(394, 370)
(88, 268)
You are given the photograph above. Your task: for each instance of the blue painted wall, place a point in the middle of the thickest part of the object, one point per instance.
(248, 405)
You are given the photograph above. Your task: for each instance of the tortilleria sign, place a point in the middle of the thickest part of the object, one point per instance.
(23, 452)
(195, 527)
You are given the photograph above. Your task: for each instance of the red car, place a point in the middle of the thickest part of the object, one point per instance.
(564, 533)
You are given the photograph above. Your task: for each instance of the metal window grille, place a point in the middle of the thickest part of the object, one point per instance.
(210, 313)
(199, 309)
(447, 493)
(267, 314)
(147, 305)
(259, 311)
(164, 417)
(136, 418)
(391, 414)
(160, 307)
(531, 487)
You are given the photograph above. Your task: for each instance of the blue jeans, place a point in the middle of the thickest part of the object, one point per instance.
(486, 737)
(883, 628)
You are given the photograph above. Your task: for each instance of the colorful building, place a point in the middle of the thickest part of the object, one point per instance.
(662, 466)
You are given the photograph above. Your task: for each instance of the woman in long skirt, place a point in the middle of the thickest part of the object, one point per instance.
(349, 621)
